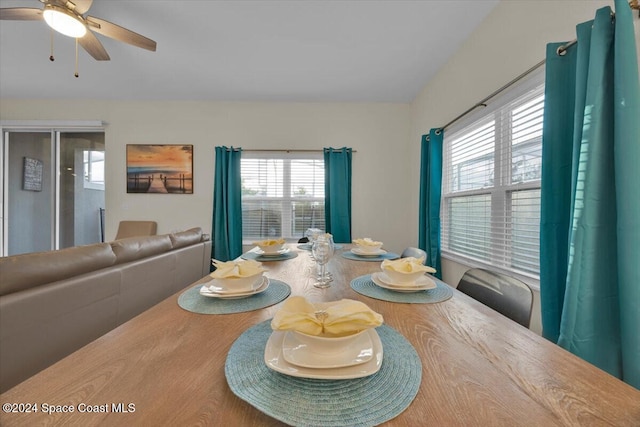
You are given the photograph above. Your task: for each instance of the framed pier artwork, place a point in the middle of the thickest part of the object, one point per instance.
(159, 168)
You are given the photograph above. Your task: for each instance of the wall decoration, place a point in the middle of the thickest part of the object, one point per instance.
(162, 169)
(32, 174)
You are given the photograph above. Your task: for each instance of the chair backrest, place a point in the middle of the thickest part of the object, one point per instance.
(136, 228)
(505, 294)
(414, 252)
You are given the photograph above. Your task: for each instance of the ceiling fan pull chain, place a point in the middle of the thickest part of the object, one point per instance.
(76, 73)
(51, 58)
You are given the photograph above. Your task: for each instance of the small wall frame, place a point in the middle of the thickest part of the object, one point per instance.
(32, 174)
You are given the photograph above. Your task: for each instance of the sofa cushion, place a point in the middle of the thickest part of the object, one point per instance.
(41, 325)
(186, 238)
(20, 272)
(133, 248)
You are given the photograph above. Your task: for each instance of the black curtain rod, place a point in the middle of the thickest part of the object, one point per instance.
(287, 151)
(634, 4)
(482, 103)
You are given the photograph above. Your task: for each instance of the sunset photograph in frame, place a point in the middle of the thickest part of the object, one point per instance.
(159, 168)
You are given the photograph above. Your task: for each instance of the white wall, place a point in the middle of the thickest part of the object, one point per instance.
(511, 40)
(378, 132)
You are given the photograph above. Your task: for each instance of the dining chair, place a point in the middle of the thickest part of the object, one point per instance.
(505, 294)
(136, 228)
(414, 252)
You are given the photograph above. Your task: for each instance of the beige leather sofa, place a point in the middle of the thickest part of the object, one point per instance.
(52, 303)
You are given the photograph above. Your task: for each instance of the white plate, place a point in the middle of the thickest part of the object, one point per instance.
(298, 353)
(215, 287)
(268, 254)
(360, 252)
(204, 291)
(274, 358)
(422, 284)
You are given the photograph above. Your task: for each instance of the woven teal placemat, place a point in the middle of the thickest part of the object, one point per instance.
(365, 286)
(352, 256)
(191, 300)
(367, 401)
(258, 257)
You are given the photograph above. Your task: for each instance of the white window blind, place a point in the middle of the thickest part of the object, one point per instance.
(491, 182)
(282, 194)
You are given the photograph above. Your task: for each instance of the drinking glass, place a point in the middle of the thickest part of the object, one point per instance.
(322, 251)
(309, 234)
(325, 274)
(312, 234)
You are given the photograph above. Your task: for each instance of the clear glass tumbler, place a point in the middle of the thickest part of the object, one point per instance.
(322, 251)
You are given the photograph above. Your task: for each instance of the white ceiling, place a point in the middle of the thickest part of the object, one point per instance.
(296, 50)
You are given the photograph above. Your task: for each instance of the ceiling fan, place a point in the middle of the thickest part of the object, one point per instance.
(68, 18)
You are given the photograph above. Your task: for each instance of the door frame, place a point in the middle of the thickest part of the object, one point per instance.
(55, 127)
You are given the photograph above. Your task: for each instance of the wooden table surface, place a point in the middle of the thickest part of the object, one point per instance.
(478, 367)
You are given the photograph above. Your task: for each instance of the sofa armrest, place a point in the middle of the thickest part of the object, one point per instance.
(186, 238)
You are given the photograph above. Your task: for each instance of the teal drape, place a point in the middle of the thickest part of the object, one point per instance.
(590, 200)
(337, 193)
(430, 191)
(227, 205)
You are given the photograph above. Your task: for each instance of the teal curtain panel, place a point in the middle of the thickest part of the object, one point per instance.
(337, 193)
(430, 192)
(227, 205)
(590, 202)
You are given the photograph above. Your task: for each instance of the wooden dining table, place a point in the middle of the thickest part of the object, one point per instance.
(166, 367)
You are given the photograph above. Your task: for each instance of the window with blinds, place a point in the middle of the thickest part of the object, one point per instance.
(282, 194)
(491, 182)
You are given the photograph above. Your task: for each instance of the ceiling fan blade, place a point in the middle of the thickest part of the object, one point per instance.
(21, 14)
(81, 6)
(119, 33)
(92, 45)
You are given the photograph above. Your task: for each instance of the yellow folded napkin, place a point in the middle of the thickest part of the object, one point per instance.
(269, 242)
(407, 265)
(366, 242)
(231, 269)
(335, 318)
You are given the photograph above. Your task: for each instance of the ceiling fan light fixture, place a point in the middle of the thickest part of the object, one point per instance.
(64, 22)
